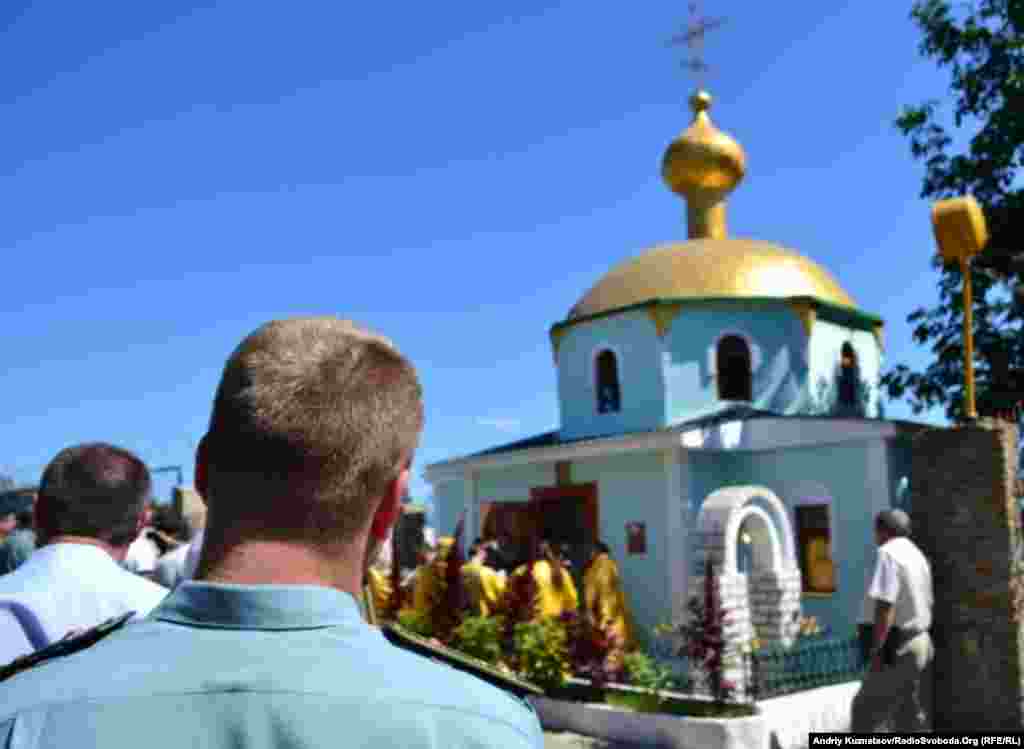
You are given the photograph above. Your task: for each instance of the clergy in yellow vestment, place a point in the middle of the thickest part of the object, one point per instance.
(556, 592)
(605, 599)
(428, 590)
(380, 592)
(484, 586)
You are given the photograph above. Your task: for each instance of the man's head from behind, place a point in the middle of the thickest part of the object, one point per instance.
(314, 426)
(890, 524)
(95, 491)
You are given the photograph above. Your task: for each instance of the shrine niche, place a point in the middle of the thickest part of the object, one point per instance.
(746, 533)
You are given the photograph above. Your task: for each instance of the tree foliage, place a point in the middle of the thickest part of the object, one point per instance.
(983, 49)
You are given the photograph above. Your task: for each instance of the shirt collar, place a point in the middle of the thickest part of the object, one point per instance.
(72, 553)
(266, 607)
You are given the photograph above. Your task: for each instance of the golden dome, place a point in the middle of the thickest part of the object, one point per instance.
(703, 159)
(701, 268)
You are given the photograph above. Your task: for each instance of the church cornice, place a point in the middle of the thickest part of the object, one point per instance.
(663, 312)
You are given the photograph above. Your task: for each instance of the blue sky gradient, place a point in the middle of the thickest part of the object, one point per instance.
(175, 174)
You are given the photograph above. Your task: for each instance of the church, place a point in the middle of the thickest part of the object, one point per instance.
(690, 368)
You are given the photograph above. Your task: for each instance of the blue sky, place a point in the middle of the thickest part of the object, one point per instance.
(172, 175)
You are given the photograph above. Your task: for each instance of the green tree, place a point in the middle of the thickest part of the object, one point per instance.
(983, 49)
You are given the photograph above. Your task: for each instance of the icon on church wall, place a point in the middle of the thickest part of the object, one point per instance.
(636, 538)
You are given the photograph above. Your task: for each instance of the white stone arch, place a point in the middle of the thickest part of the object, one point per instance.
(767, 549)
(765, 603)
(720, 506)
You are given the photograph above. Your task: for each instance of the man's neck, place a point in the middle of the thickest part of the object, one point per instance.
(117, 553)
(278, 563)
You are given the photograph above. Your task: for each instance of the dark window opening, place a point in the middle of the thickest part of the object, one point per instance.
(848, 386)
(815, 544)
(609, 396)
(735, 379)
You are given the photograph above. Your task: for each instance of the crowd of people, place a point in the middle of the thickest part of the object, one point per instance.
(245, 625)
(491, 564)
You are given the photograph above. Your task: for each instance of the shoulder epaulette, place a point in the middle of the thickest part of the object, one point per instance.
(67, 646)
(473, 666)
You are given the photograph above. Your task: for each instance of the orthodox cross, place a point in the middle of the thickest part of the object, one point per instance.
(693, 39)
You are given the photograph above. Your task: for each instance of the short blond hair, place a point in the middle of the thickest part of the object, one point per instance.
(313, 419)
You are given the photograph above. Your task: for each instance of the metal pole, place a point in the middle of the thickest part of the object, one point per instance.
(969, 407)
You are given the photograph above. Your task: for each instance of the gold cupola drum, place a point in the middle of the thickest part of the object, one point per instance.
(704, 165)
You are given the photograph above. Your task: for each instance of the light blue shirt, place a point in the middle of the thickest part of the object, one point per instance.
(257, 667)
(63, 587)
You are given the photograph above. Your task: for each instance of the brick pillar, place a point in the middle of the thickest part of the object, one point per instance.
(965, 520)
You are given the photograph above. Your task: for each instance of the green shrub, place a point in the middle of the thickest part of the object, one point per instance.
(479, 637)
(647, 674)
(416, 623)
(541, 650)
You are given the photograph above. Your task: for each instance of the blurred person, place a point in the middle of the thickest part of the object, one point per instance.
(180, 563)
(314, 427)
(556, 590)
(605, 599)
(88, 511)
(144, 551)
(20, 542)
(484, 586)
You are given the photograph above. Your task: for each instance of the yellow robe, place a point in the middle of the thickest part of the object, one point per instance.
(552, 601)
(606, 601)
(380, 590)
(485, 588)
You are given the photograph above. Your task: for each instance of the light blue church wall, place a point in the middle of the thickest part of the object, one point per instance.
(633, 488)
(777, 342)
(449, 499)
(856, 481)
(827, 339)
(633, 338)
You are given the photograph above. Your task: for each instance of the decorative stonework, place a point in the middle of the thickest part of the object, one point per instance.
(807, 313)
(662, 315)
(556, 339)
(764, 603)
(879, 333)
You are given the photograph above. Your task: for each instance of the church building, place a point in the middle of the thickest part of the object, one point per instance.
(693, 367)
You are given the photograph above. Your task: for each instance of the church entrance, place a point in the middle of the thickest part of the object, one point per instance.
(566, 516)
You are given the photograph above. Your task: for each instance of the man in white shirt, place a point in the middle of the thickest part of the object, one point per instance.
(896, 692)
(143, 553)
(179, 565)
(88, 511)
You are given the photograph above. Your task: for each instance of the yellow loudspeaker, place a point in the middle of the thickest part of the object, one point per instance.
(960, 228)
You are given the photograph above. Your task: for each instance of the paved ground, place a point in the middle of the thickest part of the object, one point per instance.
(575, 741)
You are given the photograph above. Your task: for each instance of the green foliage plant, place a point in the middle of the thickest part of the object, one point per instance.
(647, 674)
(981, 45)
(416, 622)
(480, 637)
(542, 653)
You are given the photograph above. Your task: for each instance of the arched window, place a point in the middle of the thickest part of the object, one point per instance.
(814, 536)
(849, 380)
(735, 380)
(609, 395)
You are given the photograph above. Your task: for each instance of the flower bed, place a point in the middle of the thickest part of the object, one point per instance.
(674, 720)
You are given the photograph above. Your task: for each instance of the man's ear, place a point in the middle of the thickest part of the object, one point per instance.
(390, 507)
(201, 469)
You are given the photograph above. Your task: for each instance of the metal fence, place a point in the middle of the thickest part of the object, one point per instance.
(812, 662)
(773, 672)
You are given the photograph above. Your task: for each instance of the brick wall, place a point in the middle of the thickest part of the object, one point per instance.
(966, 521)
